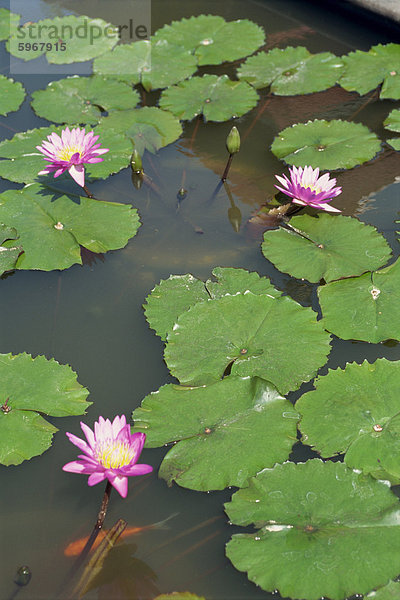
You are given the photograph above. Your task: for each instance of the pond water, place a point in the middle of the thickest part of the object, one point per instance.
(91, 316)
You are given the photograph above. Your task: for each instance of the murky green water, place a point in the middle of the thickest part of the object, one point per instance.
(91, 317)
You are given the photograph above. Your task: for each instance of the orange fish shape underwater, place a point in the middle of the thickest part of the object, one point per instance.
(75, 548)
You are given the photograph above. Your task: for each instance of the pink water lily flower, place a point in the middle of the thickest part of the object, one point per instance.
(308, 189)
(110, 452)
(70, 152)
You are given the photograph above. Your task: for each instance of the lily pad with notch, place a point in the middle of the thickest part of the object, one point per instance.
(328, 145)
(291, 71)
(30, 388)
(59, 40)
(328, 247)
(338, 529)
(82, 99)
(12, 94)
(53, 226)
(364, 71)
(363, 308)
(153, 64)
(243, 418)
(8, 256)
(216, 98)
(250, 334)
(173, 296)
(360, 403)
(212, 39)
(8, 23)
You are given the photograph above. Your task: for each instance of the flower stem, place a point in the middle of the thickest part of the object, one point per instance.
(88, 192)
(228, 166)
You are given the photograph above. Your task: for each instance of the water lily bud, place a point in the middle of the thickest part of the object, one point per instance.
(136, 162)
(233, 141)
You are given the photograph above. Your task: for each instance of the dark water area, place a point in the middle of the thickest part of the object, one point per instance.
(91, 316)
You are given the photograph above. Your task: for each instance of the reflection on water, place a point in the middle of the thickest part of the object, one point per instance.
(90, 316)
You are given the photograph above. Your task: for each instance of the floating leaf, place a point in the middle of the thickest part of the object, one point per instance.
(251, 334)
(329, 247)
(392, 121)
(326, 144)
(364, 71)
(8, 256)
(178, 293)
(148, 128)
(212, 39)
(363, 308)
(394, 143)
(391, 591)
(82, 99)
(154, 65)
(84, 39)
(291, 71)
(12, 94)
(25, 161)
(360, 403)
(31, 387)
(52, 227)
(324, 531)
(243, 418)
(8, 22)
(217, 98)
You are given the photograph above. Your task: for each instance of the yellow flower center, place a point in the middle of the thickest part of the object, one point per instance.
(113, 454)
(66, 152)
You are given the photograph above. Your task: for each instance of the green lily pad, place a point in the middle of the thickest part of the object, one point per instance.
(391, 591)
(326, 144)
(148, 128)
(8, 256)
(392, 121)
(212, 39)
(213, 422)
(84, 38)
(82, 99)
(12, 94)
(52, 227)
(324, 530)
(32, 387)
(364, 71)
(328, 247)
(153, 64)
(25, 161)
(291, 71)
(394, 143)
(173, 296)
(253, 335)
(363, 308)
(360, 403)
(8, 23)
(217, 98)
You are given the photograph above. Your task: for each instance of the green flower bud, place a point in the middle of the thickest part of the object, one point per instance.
(136, 162)
(233, 141)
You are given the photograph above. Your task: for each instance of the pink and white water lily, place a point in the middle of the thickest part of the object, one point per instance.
(110, 452)
(307, 188)
(70, 152)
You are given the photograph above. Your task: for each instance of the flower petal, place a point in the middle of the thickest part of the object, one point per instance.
(120, 484)
(96, 478)
(77, 173)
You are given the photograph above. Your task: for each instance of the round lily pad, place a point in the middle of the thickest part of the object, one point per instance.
(30, 388)
(217, 98)
(326, 144)
(328, 247)
(64, 40)
(291, 71)
(391, 591)
(172, 296)
(8, 23)
(52, 226)
(394, 143)
(82, 99)
(212, 39)
(12, 94)
(153, 64)
(360, 403)
(25, 161)
(8, 256)
(213, 422)
(363, 308)
(251, 334)
(392, 121)
(364, 71)
(148, 128)
(324, 531)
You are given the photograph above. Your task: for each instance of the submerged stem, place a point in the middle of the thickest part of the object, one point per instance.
(88, 192)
